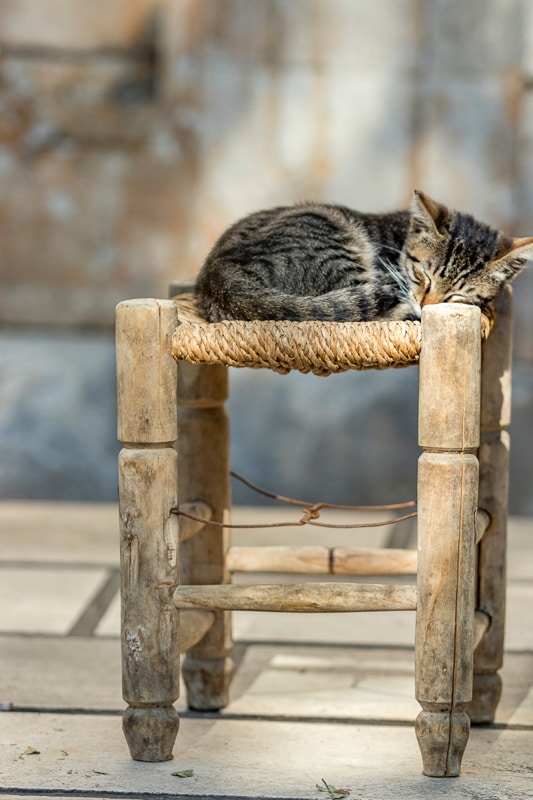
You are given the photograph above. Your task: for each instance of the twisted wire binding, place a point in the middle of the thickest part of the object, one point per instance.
(311, 512)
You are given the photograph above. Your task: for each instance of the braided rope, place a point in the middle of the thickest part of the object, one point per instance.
(319, 347)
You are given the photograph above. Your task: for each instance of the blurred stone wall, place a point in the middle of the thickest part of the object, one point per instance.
(133, 131)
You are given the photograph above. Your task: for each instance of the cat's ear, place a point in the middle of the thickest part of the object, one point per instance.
(427, 216)
(522, 248)
(514, 258)
(426, 211)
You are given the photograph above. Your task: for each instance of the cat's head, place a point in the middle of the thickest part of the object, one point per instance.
(451, 257)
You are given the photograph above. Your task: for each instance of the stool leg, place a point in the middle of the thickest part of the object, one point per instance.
(146, 377)
(493, 492)
(203, 447)
(447, 501)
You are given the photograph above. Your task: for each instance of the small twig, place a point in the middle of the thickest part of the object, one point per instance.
(334, 793)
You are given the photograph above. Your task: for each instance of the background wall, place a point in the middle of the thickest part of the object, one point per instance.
(133, 131)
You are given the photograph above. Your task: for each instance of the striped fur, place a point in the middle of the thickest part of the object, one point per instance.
(325, 262)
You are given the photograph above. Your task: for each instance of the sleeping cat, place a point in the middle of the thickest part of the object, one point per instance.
(324, 262)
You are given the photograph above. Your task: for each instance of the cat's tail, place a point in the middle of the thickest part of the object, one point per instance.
(349, 304)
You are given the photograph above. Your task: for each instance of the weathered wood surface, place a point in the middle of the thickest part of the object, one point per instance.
(323, 560)
(493, 493)
(194, 624)
(308, 560)
(203, 447)
(148, 489)
(481, 626)
(148, 483)
(450, 420)
(190, 527)
(373, 561)
(447, 502)
(303, 597)
(146, 374)
(483, 522)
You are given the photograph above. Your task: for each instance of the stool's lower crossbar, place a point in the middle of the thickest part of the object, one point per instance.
(321, 560)
(301, 597)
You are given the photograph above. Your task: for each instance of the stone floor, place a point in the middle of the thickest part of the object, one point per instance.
(316, 699)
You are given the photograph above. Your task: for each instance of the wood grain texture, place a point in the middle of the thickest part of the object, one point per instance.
(493, 497)
(303, 597)
(448, 477)
(194, 624)
(320, 560)
(483, 521)
(450, 359)
(447, 496)
(203, 447)
(146, 372)
(190, 527)
(148, 490)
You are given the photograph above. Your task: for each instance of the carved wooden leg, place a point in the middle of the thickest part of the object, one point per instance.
(146, 375)
(493, 491)
(204, 475)
(447, 502)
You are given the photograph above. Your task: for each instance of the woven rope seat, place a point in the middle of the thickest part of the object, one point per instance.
(319, 347)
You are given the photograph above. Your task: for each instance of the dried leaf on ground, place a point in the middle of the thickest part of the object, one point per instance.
(332, 791)
(183, 773)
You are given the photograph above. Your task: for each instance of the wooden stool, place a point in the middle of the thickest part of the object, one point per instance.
(166, 409)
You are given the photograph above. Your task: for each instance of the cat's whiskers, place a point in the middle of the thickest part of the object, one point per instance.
(390, 247)
(395, 273)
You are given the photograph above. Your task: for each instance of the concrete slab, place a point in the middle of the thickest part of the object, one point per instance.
(49, 532)
(242, 758)
(524, 713)
(329, 683)
(520, 547)
(329, 687)
(60, 673)
(49, 600)
(395, 627)
(519, 630)
(109, 624)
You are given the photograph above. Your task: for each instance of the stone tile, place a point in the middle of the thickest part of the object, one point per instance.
(253, 759)
(59, 532)
(519, 631)
(395, 627)
(109, 625)
(282, 680)
(45, 600)
(55, 673)
(360, 682)
(520, 548)
(524, 713)
(330, 684)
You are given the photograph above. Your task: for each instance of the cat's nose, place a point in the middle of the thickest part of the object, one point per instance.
(431, 298)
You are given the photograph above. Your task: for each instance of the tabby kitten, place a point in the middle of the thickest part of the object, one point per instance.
(324, 262)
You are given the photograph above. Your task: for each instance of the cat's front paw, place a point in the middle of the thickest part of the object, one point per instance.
(406, 310)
